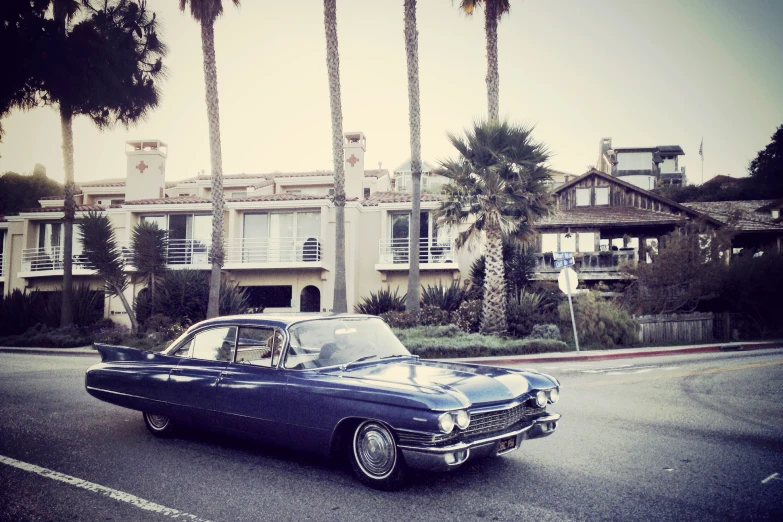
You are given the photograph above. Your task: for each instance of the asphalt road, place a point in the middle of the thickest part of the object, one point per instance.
(676, 438)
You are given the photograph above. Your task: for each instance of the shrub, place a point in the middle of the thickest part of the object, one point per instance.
(403, 319)
(545, 331)
(474, 345)
(42, 336)
(468, 316)
(20, 311)
(444, 331)
(446, 297)
(599, 322)
(382, 302)
(234, 299)
(432, 315)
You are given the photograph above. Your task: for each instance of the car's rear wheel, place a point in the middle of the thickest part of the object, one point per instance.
(375, 458)
(159, 425)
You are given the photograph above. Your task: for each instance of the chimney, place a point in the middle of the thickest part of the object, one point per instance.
(354, 146)
(146, 169)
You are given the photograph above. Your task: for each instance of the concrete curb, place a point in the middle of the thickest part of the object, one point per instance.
(49, 351)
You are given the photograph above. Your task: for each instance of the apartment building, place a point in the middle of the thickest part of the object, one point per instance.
(279, 231)
(645, 167)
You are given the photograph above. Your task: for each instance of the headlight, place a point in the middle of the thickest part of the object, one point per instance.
(446, 422)
(554, 395)
(462, 418)
(541, 399)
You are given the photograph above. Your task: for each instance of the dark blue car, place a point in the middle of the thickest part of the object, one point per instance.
(339, 385)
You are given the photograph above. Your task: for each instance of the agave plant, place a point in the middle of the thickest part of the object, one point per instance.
(382, 302)
(447, 297)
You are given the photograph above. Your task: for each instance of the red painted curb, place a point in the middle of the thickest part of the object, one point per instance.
(626, 355)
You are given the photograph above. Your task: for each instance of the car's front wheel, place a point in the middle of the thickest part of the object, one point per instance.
(375, 458)
(159, 425)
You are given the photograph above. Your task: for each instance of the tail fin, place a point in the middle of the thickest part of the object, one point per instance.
(111, 353)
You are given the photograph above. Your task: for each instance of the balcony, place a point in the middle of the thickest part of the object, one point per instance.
(434, 254)
(589, 265)
(285, 252)
(43, 262)
(2, 274)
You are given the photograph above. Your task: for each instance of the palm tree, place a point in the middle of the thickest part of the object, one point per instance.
(206, 12)
(493, 11)
(105, 257)
(497, 188)
(340, 304)
(414, 117)
(148, 246)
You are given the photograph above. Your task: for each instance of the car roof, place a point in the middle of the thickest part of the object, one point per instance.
(281, 320)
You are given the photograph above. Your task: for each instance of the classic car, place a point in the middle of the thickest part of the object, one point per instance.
(341, 385)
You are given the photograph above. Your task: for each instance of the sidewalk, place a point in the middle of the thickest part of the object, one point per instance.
(589, 355)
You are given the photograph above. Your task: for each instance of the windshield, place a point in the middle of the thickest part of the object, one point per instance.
(331, 342)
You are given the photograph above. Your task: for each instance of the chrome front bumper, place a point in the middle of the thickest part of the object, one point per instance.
(445, 458)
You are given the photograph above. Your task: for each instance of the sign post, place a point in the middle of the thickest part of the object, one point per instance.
(568, 281)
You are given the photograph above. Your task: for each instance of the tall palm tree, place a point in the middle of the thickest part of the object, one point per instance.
(498, 189)
(340, 304)
(493, 11)
(206, 12)
(414, 118)
(104, 255)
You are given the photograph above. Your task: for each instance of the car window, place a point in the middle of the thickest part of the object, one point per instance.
(216, 344)
(256, 346)
(184, 349)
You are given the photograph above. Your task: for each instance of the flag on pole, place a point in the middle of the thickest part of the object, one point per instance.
(701, 148)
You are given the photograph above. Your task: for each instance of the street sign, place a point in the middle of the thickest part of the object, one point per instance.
(561, 263)
(562, 255)
(567, 281)
(573, 280)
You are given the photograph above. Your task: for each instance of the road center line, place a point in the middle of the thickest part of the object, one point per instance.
(774, 475)
(103, 490)
(673, 375)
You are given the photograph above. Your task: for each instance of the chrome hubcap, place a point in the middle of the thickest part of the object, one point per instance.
(375, 450)
(158, 421)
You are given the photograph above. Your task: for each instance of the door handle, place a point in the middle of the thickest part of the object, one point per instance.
(226, 374)
(175, 370)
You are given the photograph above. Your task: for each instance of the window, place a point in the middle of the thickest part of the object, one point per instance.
(586, 241)
(548, 242)
(184, 350)
(601, 195)
(331, 192)
(281, 236)
(259, 346)
(582, 197)
(775, 214)
(239, 194)
(216, 344)
(366, 192)
(567, 242)
(434, 241)
(158, 220)
(293, 191)
(189, 238)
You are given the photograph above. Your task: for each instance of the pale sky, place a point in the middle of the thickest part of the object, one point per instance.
(644, 73)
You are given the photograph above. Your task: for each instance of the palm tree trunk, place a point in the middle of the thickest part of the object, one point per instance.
(66, 124)
(414, 117)
(340, 304)
(493, 313)
(128, 310)
(493, 76)
(216, 157)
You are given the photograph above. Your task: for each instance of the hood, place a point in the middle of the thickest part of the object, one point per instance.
(472, 384)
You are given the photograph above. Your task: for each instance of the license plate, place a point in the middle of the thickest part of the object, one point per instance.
(507, 444)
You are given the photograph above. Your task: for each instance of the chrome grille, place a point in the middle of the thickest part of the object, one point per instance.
(413, 437)
(489, 421)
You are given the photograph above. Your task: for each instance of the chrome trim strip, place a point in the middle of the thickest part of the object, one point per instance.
(464, 445)
(124, 394)
(552, 417)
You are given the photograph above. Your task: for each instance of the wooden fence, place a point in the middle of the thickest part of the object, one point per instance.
(681, 328)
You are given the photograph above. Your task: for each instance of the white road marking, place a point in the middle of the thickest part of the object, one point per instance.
(771, 477)
(140, 503)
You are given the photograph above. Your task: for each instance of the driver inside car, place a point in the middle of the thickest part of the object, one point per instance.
(344, 348)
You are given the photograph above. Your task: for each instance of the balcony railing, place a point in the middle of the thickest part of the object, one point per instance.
(46, 259)
(397, 251)
(274, 251)
(610, 261)
(1, 265)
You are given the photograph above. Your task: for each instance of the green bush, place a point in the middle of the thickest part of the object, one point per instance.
(432, 315)
(421, 343)
(545, 331)
(381, 302)
(599, 322)
(42, 336)
(403, 319)
(468, 316)
(20, 311)
(444, 331)
(446, 297)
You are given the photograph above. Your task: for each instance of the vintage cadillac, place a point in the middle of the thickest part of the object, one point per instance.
(342, 385)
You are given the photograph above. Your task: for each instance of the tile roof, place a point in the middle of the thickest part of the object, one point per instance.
(397, 197)
(180, 200)
(79, 208)
(607, 217)
(102, 183)
(368, 173)
(721, 179)
(61, 196)
(744, 212)
(280, 197)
